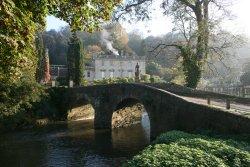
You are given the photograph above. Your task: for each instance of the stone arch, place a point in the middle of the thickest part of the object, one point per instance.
(81, 105)
(128, 102)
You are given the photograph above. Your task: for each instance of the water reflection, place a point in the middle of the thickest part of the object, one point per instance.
(73, 144)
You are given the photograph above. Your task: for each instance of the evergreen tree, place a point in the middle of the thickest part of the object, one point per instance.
(40, 55)
(75, 60)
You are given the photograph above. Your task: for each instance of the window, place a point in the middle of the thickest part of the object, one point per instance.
(111, 74)
(102, 62)
(103, 74)
(111, 62)
(88, 74)
(121, 72)
(129, 74)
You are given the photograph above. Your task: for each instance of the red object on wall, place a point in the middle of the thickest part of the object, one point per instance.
(47, 76)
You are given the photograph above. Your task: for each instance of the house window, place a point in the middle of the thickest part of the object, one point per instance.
(88, 74)
(103, 74)
(102, 62)
(129, 74)
(111, 74)
(121, 72)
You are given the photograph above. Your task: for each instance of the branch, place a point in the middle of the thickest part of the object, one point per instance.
(187, 3)
(127, 8)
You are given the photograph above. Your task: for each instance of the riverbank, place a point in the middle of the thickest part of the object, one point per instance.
(178, 148)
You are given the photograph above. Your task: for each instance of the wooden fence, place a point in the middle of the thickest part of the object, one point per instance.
(241, 91)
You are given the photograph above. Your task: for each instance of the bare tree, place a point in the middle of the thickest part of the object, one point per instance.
(195, 21)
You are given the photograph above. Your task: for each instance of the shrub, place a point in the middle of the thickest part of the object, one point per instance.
(192, 150)
(62, 81)
(17, 100)
(145, 78)
(173, 155)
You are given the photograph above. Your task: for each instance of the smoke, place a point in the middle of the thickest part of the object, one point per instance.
(105, 40)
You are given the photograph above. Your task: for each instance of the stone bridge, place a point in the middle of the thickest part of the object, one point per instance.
(166, 111)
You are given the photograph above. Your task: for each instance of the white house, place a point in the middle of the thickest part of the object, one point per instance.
(114, 66)
(106, 66)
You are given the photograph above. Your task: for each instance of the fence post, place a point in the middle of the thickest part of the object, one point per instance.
(208, 100)
(53, 83)
(71, 84)
(227, 104)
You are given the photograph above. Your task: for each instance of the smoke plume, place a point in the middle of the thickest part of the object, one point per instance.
(105, 39)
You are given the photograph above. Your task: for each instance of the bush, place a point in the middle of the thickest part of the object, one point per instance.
(177, 148)
(173, 155)
(17, 100)
(62, 81)
(145, 78)
(113, 81)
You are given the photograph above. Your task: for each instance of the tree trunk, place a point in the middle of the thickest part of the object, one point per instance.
(200, 31)
(206, 26)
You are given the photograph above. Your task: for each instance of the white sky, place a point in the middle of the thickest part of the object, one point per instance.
(161, 25)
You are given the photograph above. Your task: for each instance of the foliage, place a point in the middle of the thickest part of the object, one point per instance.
(197, 27)
(191, 67)
(137, 43)
(113, 81)
(173, 155)
(17, 101)
(40, 55)
(62, 81)
(153, 68)
(145, 78)
(75, 60)
(245, 78)
(178, 148)
(19, 20)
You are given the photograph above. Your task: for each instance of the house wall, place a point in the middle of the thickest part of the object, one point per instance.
(113, 68)
(91, 75)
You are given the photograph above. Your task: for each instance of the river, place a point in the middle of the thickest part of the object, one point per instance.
(73, 144)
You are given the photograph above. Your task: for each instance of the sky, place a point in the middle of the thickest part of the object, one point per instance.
(160, 24)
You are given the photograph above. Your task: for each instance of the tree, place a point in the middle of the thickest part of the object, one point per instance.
(136, 43)
(192, 21)
(75, 60)
(19, 22)
(245, 77)
(40, 54)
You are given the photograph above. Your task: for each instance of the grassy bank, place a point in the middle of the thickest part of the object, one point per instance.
(179, 149)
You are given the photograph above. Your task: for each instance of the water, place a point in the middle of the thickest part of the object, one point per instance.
(73, 144)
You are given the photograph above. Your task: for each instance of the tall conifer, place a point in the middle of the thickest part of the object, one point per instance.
(75, 59)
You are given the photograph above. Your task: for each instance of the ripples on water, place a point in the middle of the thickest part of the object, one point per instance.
(73, 144)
